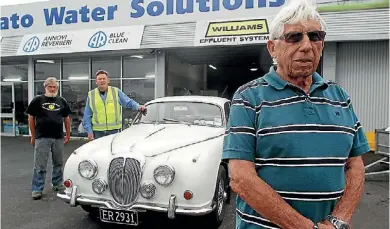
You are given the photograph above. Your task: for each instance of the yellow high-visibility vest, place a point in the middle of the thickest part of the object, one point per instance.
(106, 115)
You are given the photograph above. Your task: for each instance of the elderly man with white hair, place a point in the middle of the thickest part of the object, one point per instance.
(293, 141)
(47, 115)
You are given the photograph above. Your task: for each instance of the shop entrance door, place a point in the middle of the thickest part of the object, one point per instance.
(7, 109)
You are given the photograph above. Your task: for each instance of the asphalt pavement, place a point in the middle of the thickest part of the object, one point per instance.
(19, 211)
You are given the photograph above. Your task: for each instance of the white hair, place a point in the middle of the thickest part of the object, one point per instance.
(51, 81)
(293, 13)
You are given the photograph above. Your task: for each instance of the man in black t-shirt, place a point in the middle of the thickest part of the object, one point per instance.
(47, 115)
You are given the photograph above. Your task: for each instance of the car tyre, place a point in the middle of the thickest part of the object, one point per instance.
(215, 218)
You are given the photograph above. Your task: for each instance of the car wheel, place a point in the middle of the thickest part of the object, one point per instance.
(216, 217)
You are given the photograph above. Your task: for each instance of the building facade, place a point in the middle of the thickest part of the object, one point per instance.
(158, 49)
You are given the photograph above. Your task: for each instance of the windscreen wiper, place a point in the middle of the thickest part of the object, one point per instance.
(178, 121)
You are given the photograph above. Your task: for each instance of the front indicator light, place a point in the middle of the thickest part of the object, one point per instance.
(188, 195)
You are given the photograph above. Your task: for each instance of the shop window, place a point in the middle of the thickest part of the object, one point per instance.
(17, 73)
(136, 67)
(111, 64)
(47, 68)
(141, 91)
(75, 87)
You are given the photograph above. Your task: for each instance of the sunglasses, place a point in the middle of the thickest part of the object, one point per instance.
(101, 72)
(295, 37)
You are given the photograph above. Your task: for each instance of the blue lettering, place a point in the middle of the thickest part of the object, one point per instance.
(249, 4)
(98, 14)
(14, 19)
(227, 4)
(53, 15)
(276, 3)
(135, 4)
(71, 17)
(203, 5)
(27, 21)
(84, 13)
(215, 5)
(111, 11)
(180, 6)
(159, 8)
(4, 23)
(170, 7)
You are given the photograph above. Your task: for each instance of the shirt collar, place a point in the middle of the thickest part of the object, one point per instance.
(278, 83)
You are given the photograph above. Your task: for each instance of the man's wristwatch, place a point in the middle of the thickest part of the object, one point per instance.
(337, 223)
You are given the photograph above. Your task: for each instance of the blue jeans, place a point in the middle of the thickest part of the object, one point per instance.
(43, 146)
(99, 134)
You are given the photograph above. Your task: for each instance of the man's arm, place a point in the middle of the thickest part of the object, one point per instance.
(87, 123)
(67, 126)
(262, 198)
(355, 177)
(127, 102)
(31, 124)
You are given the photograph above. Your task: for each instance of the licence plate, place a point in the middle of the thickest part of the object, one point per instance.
(119, 216)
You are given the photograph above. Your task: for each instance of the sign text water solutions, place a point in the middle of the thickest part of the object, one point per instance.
(85, 14)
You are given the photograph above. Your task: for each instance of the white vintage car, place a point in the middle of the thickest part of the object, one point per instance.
(168, 160)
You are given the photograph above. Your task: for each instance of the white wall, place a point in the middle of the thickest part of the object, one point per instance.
(181, 74)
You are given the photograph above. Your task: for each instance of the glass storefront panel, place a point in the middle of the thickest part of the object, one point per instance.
(18, 74)
(112, 65)
(136, 67)
(140, 90)
(47, 68)
(75, 92)
(21, 104)
(14, 72)
(75, 69)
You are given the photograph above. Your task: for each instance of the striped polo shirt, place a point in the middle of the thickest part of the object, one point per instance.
(299, 143)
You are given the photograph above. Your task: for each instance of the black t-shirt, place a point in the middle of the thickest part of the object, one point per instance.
(49, 113)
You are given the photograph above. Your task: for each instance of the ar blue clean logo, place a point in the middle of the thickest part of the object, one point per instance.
(98, 40)
(32, 44)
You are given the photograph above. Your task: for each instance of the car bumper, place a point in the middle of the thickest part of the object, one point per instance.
(172, 209)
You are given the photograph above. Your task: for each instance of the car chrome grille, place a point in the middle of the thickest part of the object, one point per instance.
(124, 178)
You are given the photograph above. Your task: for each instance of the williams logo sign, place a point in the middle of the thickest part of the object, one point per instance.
(31, 45)
(98, 40)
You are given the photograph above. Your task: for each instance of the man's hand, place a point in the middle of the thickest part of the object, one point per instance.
(66, 139)
(143, 110)
(32, 140)
(90, 137)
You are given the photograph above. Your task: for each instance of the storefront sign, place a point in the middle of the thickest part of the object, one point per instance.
(128, 37)
(237, 32)
(73, 15)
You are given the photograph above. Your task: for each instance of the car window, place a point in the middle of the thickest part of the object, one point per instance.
(195, 113)
(227, 111)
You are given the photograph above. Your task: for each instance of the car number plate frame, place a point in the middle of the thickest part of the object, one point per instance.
(118, 216)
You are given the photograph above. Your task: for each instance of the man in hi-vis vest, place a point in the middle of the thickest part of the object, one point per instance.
(102, 115)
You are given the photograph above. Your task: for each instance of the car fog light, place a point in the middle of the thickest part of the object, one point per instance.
(188, 195)
(68, 183)
(88, 169)
(99, 186)
(164, 175)
(148, 190)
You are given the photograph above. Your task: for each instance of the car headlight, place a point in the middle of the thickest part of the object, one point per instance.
(88, 169)
(164, 175)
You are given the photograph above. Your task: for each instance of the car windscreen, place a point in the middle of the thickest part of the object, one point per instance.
(192, 113)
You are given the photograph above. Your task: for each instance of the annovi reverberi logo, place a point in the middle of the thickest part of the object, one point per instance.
(98, 40)
(32, 44)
